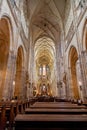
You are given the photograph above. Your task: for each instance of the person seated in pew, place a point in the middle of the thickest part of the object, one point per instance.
(79, 102)
(13, 99)
(74, 101)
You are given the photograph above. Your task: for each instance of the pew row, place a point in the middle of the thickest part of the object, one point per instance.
(2, 118)
(55, 111)
(9, 109)
(56, 105)
(51, 121)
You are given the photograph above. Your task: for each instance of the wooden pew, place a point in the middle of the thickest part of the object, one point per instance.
(2, 117)
(85, 103)
(58, 105)
(19, 106)
(55, 111)
(51, 122)
(9, 108)
(32, 100)
(56, 99)
(45, 99)
(16, 108)
(55, 108)
(12, 108)
(10, 112)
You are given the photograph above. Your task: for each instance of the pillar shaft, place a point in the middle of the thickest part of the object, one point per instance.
(10, 74)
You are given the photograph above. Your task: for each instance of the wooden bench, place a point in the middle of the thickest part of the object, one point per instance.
(10, 112)
(55, 111)
(52, 105)
(56, 99)
(85, 104)
(2, 117)
(46, 99)
(53, 121)
(20, 106)
(12, 108)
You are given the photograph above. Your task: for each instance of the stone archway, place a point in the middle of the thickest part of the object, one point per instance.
(45, 64)
(84, 59)
(85, 56)
(19, 72)
(86, 39)
(4, 51)
(73, 57)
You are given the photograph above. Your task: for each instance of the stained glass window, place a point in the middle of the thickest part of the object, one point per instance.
(44, 70)
(40, 71)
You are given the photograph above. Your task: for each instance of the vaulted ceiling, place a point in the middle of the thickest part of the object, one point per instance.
(44, 51)
(46, 21)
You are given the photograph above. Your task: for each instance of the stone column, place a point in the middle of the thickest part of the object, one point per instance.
(0, 4)
(84, 72)
(59, 89)
(28, 93)
(33, 80)
(23, 84)
(30, 90)
(70, 89)
(20, 84)
(10, 75)
(31, 65)
(58, 68)
(75, 21)
(79, 80)
(66, 85)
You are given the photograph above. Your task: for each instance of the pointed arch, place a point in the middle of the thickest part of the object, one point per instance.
(19, 68)
(84, 36)
(5, 29)
(73, 57)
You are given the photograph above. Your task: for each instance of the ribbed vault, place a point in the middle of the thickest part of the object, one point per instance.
(46, 29)
(44, 51)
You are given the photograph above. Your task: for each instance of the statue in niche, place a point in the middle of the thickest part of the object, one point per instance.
(44, 90)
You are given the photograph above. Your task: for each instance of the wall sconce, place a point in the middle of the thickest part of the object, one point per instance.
(80, 83)
(13, 83)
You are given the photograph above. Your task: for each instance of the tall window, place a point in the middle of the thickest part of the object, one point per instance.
(47, 69)
(40, 71)
(44, 70)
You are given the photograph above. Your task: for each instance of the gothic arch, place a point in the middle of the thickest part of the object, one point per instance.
(84, 48)
(44, 35)
(84, 36)
(5, 30)
(10, 25)
(73, 57)
(19, 69)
